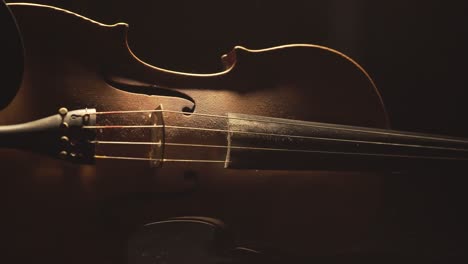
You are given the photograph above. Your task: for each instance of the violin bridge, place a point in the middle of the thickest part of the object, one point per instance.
(156, 154)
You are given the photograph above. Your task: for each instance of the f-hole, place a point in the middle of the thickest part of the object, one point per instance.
(133, 86)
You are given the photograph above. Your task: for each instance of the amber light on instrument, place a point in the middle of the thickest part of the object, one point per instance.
(291, 145)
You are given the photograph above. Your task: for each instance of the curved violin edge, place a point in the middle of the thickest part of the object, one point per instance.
(229, 60)
(68, 12)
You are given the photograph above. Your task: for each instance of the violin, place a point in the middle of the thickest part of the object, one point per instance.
(114, 143)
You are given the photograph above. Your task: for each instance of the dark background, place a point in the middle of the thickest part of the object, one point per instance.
(414, 50)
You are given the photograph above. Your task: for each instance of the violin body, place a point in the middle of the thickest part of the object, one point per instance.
(60, 212)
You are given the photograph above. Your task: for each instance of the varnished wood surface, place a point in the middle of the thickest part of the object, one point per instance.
(60, 212)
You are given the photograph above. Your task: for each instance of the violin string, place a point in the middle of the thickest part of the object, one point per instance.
(201, 146)
(159, 126)
(265, 148)
(279, 135)
(162, 160)
(318, 152)
(297, 123)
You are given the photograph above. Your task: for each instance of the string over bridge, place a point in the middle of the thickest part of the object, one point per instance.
(156, 155)
(253, 142)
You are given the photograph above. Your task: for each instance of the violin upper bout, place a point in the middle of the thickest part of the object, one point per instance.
(313, 71)
(66, 31)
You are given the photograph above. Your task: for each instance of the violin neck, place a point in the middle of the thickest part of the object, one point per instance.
(254, 142)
